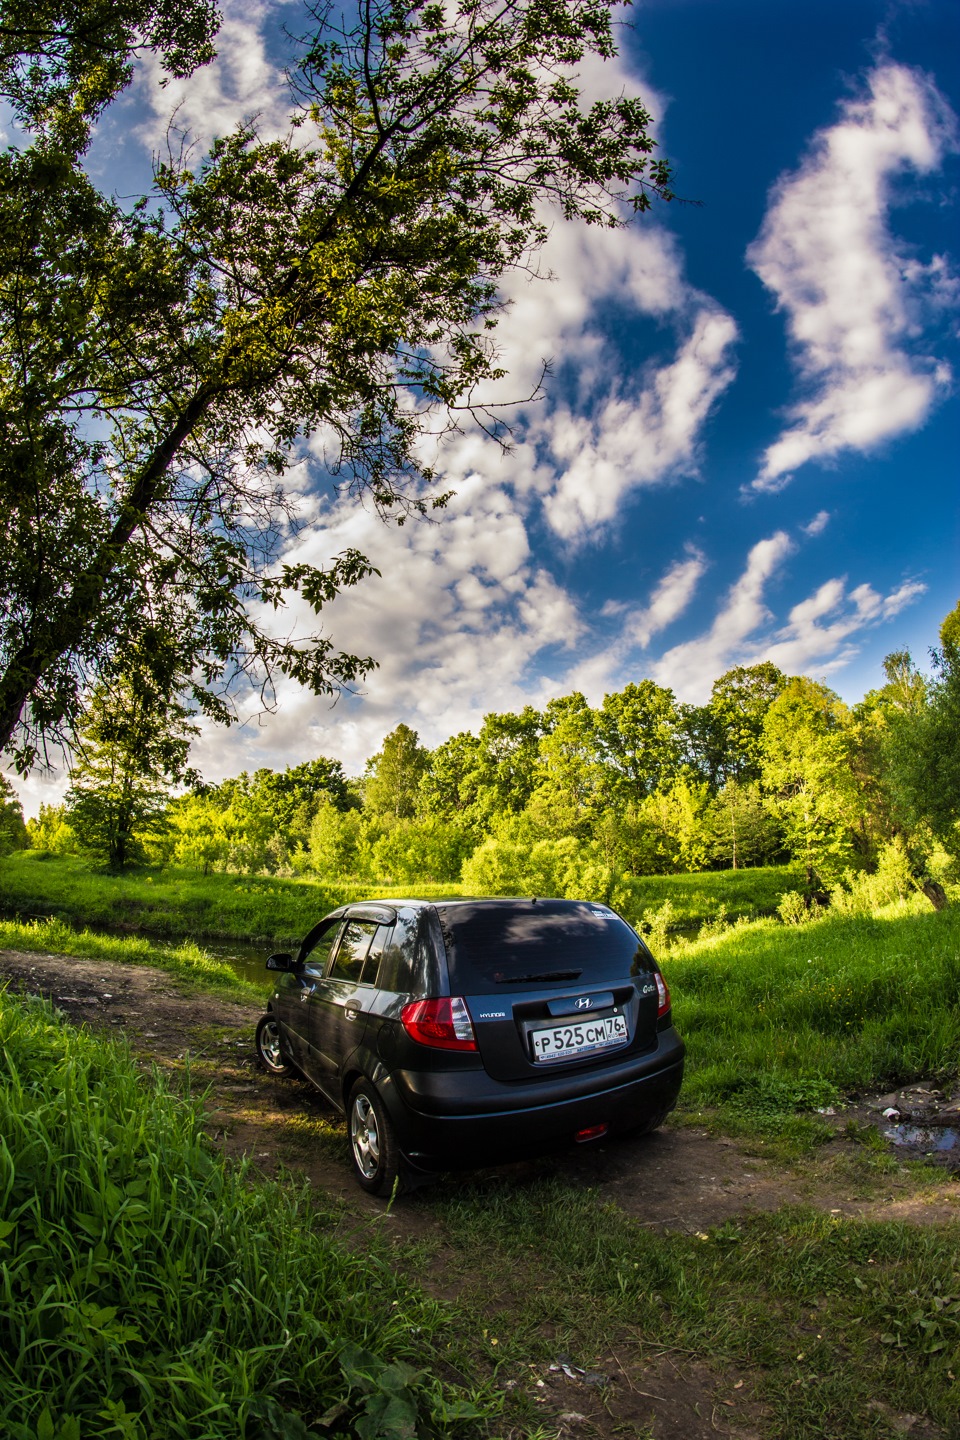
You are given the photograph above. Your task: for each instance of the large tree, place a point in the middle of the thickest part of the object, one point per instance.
(162, 362)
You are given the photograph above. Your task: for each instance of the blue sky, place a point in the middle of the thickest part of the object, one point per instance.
(748, 448)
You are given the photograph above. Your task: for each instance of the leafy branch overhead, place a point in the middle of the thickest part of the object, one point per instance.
(163, 364)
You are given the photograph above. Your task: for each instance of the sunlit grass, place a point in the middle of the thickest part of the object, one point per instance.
(778, 1018)
(191, 964)
(148, 1288)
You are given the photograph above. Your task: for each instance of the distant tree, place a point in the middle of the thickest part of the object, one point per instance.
(509, 759)
(449, 786)
(394, 775)
(334, 839)
(50, 831)
(638, 730)
(743, 829)
(808, 766)
(571, 790)
(13, 831)
(932, 771)
(731, 730)
(133, 745)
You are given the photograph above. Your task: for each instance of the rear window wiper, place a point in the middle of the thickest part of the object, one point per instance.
(501, 979)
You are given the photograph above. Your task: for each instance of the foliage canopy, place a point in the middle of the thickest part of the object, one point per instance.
(162, 364)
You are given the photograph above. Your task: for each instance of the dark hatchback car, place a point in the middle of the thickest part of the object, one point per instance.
(459, 1033)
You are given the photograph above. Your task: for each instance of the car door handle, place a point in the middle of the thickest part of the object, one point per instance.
(351, 1012)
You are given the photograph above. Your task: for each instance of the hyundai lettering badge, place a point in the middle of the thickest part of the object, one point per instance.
(584, 1003)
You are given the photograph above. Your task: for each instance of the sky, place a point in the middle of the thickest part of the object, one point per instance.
(749, 440)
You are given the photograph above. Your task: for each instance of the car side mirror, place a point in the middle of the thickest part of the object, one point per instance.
(281, 961)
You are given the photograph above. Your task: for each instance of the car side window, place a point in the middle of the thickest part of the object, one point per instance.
(378, 944)
(348, 963)
(316, 948)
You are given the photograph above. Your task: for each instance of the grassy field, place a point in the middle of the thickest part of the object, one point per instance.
(783, 1019)
(830, 1327)
(151, 1289)
(125, 1311)
(186, 904)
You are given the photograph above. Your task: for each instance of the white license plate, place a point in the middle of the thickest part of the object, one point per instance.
(578, 1037)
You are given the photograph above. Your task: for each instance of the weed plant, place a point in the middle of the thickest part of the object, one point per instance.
(149, 1289)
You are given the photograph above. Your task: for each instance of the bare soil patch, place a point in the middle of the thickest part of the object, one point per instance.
(682, 1178)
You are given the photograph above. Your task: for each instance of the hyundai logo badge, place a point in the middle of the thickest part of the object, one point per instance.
(584, 1002)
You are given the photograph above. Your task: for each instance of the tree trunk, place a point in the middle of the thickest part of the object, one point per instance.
(935, 893)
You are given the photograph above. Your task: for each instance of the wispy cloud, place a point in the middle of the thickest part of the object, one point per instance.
(822, 633)
(852, 295)
(818, 524)
(669, 600)
(691, 668)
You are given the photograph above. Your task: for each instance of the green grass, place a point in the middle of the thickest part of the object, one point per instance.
(781, 1018)
(175, 902)
(696, 898)
(188, 961)
(277, 912)
(148, 1288)
(829, 1322)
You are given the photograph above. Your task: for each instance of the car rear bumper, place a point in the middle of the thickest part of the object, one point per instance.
(497, 1122)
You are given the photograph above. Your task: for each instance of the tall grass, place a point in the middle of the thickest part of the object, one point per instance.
(791, 1016)
(149, 1289)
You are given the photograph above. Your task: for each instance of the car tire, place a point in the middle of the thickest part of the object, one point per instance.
(270, 1048)
(374, 1152)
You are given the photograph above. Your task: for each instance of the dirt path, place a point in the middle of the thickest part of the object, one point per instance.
(680, 1179)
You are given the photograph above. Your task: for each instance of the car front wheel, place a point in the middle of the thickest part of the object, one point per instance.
(269, 1049)
(373, 1142)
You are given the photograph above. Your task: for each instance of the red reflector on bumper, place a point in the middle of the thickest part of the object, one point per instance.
(592, 1132)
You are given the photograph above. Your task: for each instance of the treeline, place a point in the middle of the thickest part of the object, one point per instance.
(561, 800)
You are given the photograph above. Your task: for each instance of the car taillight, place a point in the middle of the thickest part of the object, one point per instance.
(445, 1023)
(663, 995)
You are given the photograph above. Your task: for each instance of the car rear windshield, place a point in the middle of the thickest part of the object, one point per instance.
(537, 942)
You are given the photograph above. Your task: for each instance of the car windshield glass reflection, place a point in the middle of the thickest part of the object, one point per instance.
(353, 950)
(315, 950)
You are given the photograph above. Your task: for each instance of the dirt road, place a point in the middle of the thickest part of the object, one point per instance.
(683, 1178)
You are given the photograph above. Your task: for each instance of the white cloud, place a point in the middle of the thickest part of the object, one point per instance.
(241, 84)
(821, 634)
(669, 600)
(691, 668)
(852, 297)
(818, 524)
(458, 623)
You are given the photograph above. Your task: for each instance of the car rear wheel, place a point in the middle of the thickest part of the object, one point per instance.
(373, 1143)
(269, 1047)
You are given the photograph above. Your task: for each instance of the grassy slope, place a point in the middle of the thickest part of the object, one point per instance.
(257, 908)
(781, 1018)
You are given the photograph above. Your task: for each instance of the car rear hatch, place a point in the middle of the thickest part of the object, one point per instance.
(550, 985)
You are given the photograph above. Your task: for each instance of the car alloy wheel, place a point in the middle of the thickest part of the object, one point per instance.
(270, 1049)
(373, 1144)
